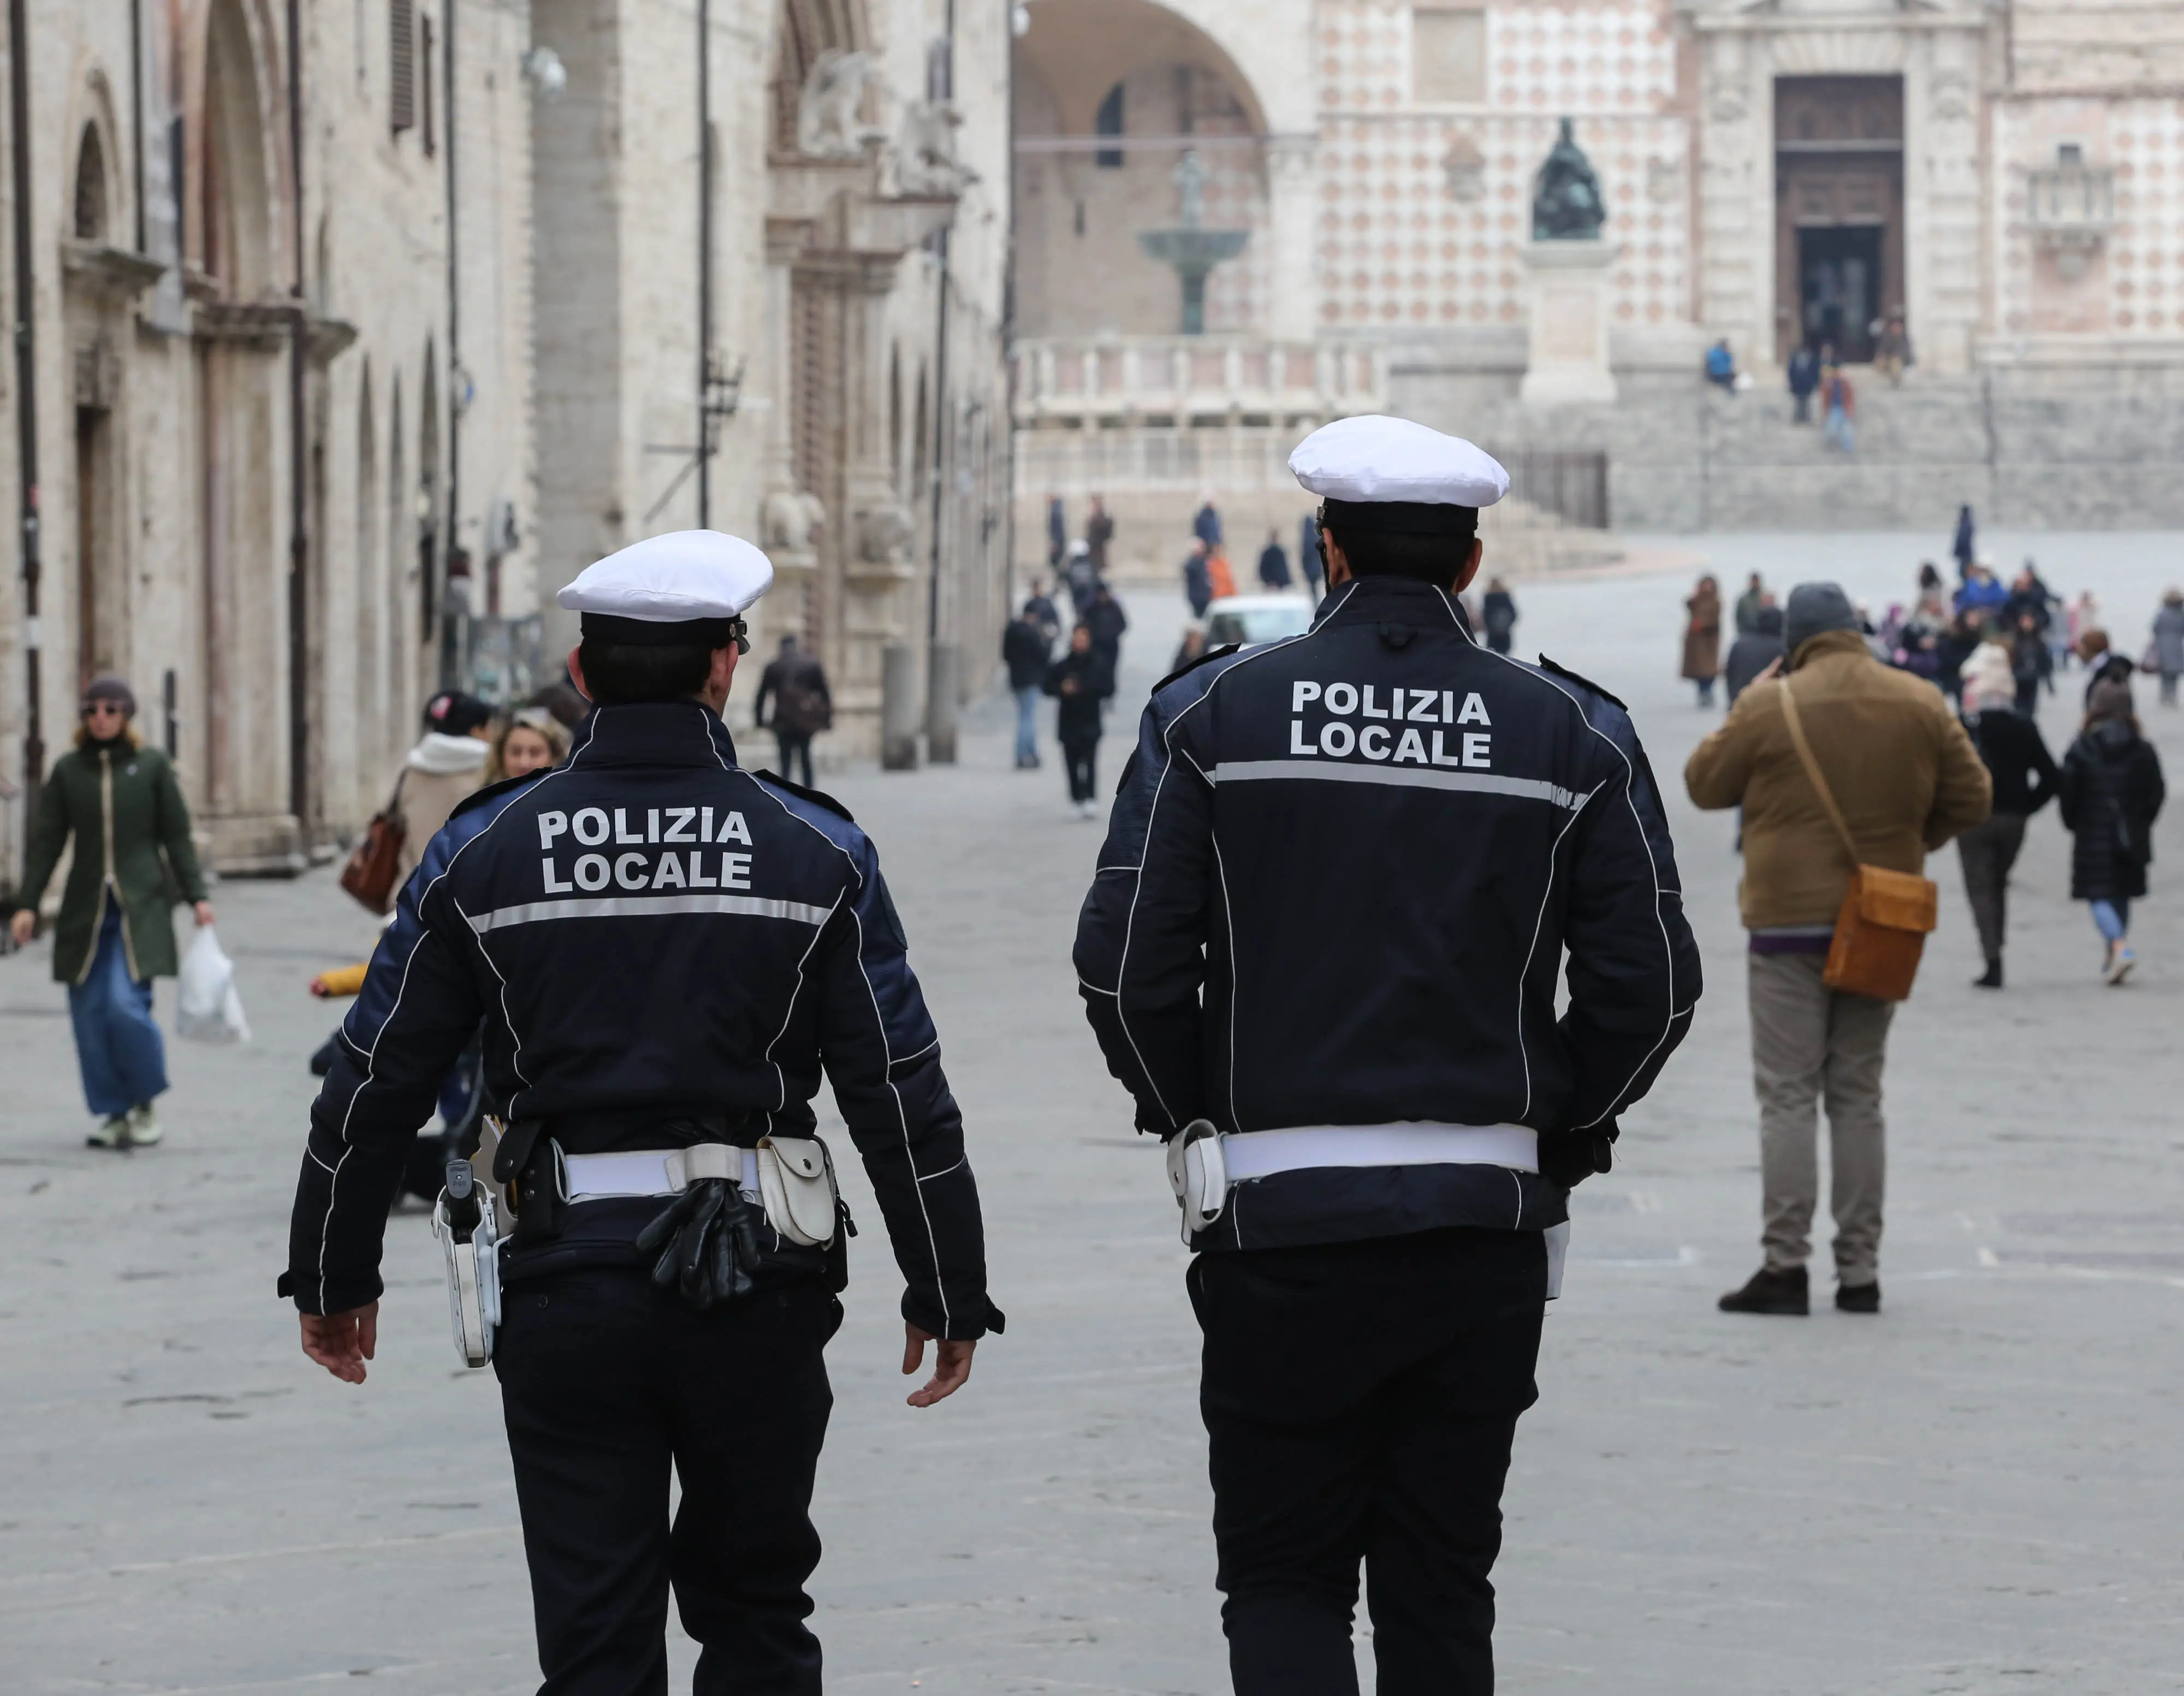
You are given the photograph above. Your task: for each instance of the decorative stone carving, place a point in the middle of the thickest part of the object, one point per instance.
(788, 519)
(1566, 201)
(1465, 168)
(830, 121)
(1665, 179)
(925, 162)
(883, 535)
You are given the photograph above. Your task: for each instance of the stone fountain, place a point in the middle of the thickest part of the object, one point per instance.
(1190, 248)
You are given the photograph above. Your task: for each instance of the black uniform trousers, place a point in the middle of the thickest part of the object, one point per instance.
(605, 1383)
(1362, 1398)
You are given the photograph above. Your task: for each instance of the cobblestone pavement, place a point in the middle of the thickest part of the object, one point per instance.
(1975, 1493)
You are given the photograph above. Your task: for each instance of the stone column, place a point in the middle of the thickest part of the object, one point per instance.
(1734, 242)
(876, 532)
(788, 513)
(1291, 266)
(1566, 288)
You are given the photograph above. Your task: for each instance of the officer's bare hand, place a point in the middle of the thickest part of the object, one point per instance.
(343, 1343)
(951, 1366)
(23, 926)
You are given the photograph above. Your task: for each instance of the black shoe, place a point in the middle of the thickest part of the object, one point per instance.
(1771, 1291)
(1858, 1298)
(1990, 979)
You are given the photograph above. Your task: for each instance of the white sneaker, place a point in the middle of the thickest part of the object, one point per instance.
(2120, 960)
(144, 1126)
(112, 1132)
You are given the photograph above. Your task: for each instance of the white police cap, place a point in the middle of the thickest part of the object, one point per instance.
(1377, 460)
(687, 584)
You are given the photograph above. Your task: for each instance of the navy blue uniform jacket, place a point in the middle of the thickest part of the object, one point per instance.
(1342, 878)
(647, 926)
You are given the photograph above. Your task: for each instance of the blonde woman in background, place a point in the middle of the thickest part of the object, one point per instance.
(531, 740)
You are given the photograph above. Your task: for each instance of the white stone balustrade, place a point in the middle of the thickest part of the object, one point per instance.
(1185, 381)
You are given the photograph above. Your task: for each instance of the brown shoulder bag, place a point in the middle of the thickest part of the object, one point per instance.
(373, 862)
(1881, 931)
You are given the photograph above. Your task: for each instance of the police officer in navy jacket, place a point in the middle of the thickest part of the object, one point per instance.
(664, 950)
(1320, 950)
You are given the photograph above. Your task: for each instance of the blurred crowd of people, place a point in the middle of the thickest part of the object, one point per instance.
(1994, 650)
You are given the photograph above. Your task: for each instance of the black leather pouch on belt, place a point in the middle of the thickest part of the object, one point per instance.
(523, 1165)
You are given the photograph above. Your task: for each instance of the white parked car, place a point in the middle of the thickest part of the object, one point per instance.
(1253, 618)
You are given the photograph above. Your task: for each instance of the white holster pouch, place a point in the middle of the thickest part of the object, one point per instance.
(1556, 1238)
(796, 1183)
(473, 1277)
(1198, 1175)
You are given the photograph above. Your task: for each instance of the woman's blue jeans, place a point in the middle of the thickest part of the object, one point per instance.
(2112, 918)
(124, 1059)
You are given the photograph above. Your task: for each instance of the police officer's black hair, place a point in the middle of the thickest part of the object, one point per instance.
(1436, 559)
(620, 673)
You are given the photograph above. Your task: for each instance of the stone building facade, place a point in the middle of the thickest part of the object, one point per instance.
(1999, 171)
(348, 351)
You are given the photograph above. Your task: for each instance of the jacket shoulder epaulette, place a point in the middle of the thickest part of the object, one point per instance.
(1190, 666)
(1547, 665)
(817, 797)
(477, 798)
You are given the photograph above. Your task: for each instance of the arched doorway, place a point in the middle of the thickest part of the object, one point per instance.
(97, 539)
(1110, 94)
(372, 700)
(240, 337)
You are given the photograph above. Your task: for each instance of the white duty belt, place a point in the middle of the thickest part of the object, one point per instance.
(1202, 1163)
(656, 1171)
(792, 1177)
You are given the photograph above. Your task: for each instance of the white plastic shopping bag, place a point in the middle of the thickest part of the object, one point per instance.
(206, 1006)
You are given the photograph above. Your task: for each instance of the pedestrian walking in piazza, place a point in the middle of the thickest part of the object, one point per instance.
(453, 757)
(1198, 578)
(2111, 792)
(1375, 1176)
(2085, 617)
(1839, 409)
(1057, 532)
(1804, 373)
(1904, 778)
(2025, 778)
(1498, 613)
(1078, 577)
(1702, 639)
(117, 802)
(1107, 623)
(530, 739)
(1748, 604)
(1026, 648)
(1205, 522)
(1273, 563)
(1041, 611)
(1892, 349)
(2029, 662)
(795, 683)
(1080, 682)
(1964, 544)
(1753, 651)
(2168, 648)
(674, 1271)
(1099, 534)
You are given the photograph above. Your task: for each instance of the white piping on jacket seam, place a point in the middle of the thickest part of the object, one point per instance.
(902, 1119)
(1630, 784)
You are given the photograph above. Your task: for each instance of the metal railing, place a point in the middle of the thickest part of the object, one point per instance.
(1572, 486)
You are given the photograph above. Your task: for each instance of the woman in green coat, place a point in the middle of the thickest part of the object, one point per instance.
(133, 853)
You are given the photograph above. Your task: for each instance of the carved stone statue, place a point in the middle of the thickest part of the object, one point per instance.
(830, 108)
(1191, 189)
(788, 518)
(1566, 203)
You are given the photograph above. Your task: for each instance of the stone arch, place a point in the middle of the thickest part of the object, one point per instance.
(236, 244)
(91, 199)
(374, 704)
(805, 29)
(1081, 203)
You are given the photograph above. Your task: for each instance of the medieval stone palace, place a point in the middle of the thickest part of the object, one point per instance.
(2004, 175)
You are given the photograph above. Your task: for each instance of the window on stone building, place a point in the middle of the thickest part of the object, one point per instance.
(89, 187)
(1448, 55)
(1108, 121)
(424, 85)
(2069, 156)
(402, 64)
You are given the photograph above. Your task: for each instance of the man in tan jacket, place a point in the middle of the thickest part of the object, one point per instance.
(1907, 780)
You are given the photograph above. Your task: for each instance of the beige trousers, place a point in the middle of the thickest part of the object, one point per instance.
(1809, 1041)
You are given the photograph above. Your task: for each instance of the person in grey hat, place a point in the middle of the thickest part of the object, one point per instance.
(1906, 780)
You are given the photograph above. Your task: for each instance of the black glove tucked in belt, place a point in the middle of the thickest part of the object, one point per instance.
(711, 1238)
